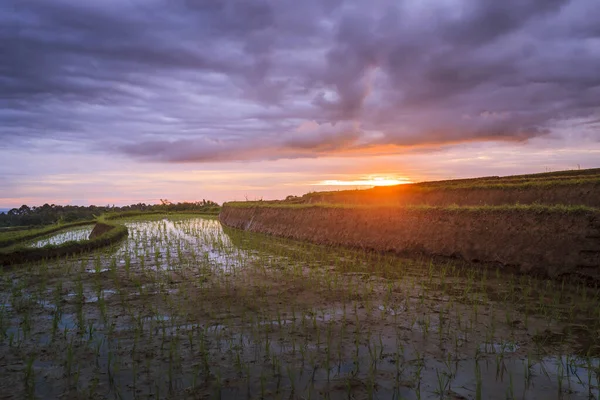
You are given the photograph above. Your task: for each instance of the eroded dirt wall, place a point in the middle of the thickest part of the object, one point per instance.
(585, 194)
(551, 243)
(100, 229)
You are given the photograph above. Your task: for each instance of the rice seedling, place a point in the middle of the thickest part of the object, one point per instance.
(187, 305)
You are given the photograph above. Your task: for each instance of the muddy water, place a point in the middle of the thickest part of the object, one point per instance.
(185, 309)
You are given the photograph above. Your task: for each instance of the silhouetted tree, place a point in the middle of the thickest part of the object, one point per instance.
(51, 213)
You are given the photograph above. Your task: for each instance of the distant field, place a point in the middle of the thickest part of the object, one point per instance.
(580, 187)
(516, 221)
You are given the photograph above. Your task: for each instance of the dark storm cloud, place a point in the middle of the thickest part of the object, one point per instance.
(213, 80)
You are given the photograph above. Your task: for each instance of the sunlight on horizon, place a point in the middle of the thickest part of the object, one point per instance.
(368, 181)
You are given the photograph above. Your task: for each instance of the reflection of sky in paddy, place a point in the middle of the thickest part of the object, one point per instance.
(178, 243)
(170, 244)
(75, 234)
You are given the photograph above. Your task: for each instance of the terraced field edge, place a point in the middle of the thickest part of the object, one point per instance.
(111, 233)
(12, 237)
(581, 187)
(545, 240)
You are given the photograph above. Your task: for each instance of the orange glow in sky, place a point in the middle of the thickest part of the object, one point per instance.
(367, 181)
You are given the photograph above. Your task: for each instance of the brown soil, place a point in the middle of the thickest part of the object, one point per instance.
(100, 229)
(550, 243)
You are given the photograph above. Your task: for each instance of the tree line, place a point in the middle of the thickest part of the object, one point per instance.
(52, 213)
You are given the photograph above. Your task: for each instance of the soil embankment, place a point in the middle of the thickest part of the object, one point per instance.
(100, 229)
(549, 241)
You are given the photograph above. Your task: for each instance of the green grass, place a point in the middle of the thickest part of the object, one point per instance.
(510, 184)
(532, 208)
(214, 312)
(10, 238)
(515, 182)
(20, 253)
(589, 174)
(129, 214)
(16, 228)
(475, 184)
(574, 172)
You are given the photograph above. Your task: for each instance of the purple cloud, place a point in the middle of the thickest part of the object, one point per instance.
(205, 81)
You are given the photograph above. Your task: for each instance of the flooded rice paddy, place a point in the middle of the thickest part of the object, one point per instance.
(73, 234)
(184, 308)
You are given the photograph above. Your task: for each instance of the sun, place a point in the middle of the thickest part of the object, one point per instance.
(370, 180)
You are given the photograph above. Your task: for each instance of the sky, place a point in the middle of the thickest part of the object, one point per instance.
(127, 101)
